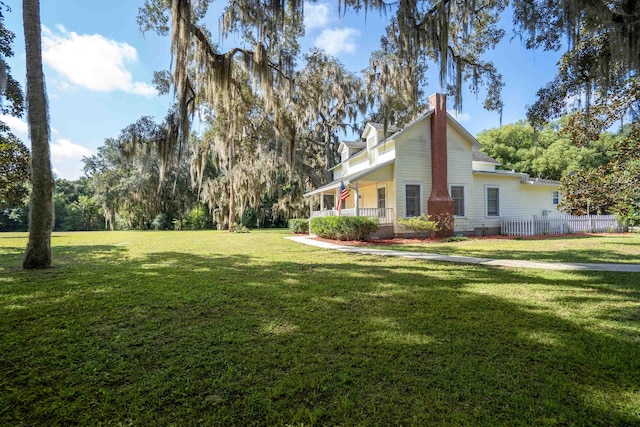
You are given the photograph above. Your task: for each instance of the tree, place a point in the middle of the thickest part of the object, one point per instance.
(328, 99)
(614, 187)
(14, 155)
(38, 252)
(544, 153)
(125, 177)
(14, 170)
(10, 88)
(203, 74)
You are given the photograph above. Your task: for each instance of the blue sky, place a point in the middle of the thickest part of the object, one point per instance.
(99, 67)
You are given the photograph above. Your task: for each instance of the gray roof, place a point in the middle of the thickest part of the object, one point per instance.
(479, 156)
(355, 144)
(542, 181)
(380, 126)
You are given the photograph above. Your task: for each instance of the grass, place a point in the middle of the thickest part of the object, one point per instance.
(612, 248)
(211, 328)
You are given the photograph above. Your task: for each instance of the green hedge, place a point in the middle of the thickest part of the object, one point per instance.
(299, 225)
(344, 227)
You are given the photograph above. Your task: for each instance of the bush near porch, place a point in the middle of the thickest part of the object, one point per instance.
(344, 227)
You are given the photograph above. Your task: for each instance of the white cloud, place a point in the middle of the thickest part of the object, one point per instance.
(461, 117)
(315, 15)
(19, 127)
(92, 61)
(65, 149)
(338, 41)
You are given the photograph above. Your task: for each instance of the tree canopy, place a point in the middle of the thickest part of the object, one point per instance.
(14, 170)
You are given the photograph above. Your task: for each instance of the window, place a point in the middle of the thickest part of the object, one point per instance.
(382, 198)
(555, 195)
(413, 202)
(457, 194)
(329, 201)
(493, 201)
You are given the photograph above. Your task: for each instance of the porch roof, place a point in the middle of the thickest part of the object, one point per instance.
(349, 178)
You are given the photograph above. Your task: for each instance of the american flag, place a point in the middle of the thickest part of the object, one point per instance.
(344, 193)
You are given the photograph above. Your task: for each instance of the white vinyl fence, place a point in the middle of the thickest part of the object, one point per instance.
(565, 224)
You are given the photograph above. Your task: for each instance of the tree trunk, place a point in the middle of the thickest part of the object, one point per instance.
(38, 252)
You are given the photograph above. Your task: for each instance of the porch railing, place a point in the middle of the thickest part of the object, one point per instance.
(383, 215)
(535, 225)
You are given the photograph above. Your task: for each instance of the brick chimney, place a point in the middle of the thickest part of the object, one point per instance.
(440, 204)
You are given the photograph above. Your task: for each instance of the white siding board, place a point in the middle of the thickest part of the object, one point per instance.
(413, 164)
(459, 173)
(516, 199)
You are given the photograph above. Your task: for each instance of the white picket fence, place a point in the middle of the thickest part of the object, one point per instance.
(537, 225)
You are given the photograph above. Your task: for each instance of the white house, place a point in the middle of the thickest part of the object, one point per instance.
(432, 166)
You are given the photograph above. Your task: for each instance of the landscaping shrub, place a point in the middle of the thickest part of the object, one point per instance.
(344, 227)
(421, 225)
(299, 225)
(198, 219)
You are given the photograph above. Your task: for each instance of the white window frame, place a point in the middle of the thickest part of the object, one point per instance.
(486, 201)
(386, 198)
(555, 197)
(464, 199)
(404, 195)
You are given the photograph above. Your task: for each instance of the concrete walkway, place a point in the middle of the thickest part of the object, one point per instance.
(565, 266)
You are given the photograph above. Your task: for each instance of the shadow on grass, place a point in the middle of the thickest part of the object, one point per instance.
(315, 338)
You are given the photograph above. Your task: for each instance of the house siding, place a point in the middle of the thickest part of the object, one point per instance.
(413, 164)
(516, 199)
(458, 163)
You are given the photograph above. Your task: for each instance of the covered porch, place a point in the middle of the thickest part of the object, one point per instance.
(371, 194)
(383, 215)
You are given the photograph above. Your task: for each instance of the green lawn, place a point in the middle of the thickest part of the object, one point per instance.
(613, 248)
(211, 328)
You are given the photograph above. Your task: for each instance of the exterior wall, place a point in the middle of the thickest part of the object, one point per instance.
(353, 165)
(372, 139)
(368, 196)
(516, 199)
(413, 165)
(483, 166)
(386, 151)
(459, 165)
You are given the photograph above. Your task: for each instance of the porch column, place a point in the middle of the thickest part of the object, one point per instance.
(321, 201)
(356, 201)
